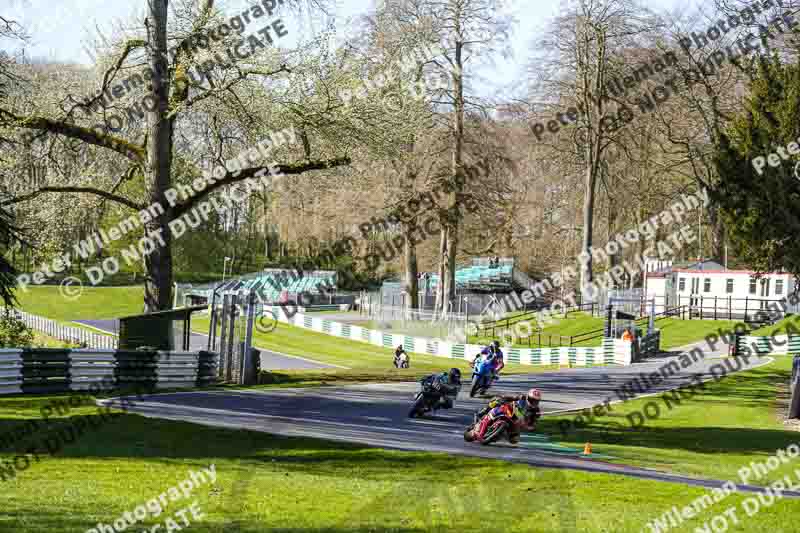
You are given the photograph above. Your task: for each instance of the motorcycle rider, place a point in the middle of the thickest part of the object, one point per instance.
(447, 384)
(528, 405)
(494, 354)
(400, 356)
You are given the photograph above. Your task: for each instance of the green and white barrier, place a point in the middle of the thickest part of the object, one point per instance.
(612, 351)
(775, 345)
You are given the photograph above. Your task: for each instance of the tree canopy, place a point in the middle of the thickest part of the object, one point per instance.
(759, 189)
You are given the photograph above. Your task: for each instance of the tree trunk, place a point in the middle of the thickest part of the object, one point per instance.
(613, 259)
(410, 248)
(447, 268)
(441, 306)
(449, 244)
(588, 221)
(158, 283)
(410, 262)
(716, 235)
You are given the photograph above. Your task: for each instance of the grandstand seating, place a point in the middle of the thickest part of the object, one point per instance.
(481, 277)
(274, 285)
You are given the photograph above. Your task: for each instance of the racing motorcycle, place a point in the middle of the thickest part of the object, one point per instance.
(426, 400)
(401, 361)
(508, 415)
(482, 376)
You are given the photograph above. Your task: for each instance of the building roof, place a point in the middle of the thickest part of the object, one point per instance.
(697, 265)
(702, 267)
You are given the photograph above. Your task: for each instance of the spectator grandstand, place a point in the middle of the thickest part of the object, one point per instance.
(273, 286)
(477, 285)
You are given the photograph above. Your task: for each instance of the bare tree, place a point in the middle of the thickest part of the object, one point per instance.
(150, 153)
(578, 59)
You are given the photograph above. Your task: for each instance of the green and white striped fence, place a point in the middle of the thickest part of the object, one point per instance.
(775, 345)
(612, 351)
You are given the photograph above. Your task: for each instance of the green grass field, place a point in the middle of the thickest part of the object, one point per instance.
(674, 332)
(40, 340)
(93, 303)
(778, 328)
(711, 434)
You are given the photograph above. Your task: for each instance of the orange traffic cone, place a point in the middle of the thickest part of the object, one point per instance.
(587, 449)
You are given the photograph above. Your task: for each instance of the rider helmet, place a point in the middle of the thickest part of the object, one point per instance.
(533, 397)
(455, 375)
(496, 345)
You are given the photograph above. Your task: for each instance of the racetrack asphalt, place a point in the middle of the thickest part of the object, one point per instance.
(376, 414)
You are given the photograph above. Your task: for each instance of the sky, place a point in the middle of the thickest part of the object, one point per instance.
(61, 29)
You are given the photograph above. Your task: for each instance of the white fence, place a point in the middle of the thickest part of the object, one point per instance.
(68, 333)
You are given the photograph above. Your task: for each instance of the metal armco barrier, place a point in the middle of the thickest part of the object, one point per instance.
(47, 371)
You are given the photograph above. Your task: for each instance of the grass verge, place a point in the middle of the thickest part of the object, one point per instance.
(94, 303)
(674, 331)
(727, 425)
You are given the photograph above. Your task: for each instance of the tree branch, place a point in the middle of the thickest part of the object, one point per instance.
(121, 146)
(89, 190)
(235, 177)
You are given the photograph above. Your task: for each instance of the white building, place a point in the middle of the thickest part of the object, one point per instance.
(719, 292)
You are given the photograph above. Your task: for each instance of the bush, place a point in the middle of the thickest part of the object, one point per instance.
(13, 331)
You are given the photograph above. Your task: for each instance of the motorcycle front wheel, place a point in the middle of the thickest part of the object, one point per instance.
(495, 432)
(476, 386)
(419, 406)
(468, 435)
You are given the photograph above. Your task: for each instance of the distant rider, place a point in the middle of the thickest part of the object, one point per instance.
(447, 384)
(400, 357)
(526, 404)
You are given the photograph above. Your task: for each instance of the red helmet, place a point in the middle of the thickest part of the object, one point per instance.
(533, 397)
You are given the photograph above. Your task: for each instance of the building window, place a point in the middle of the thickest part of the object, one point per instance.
(707, 285)
(729, 286)
(682, 284)
(778, 287)
(752, 285)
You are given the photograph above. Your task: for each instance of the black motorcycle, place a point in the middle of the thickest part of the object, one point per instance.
(426, 400)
